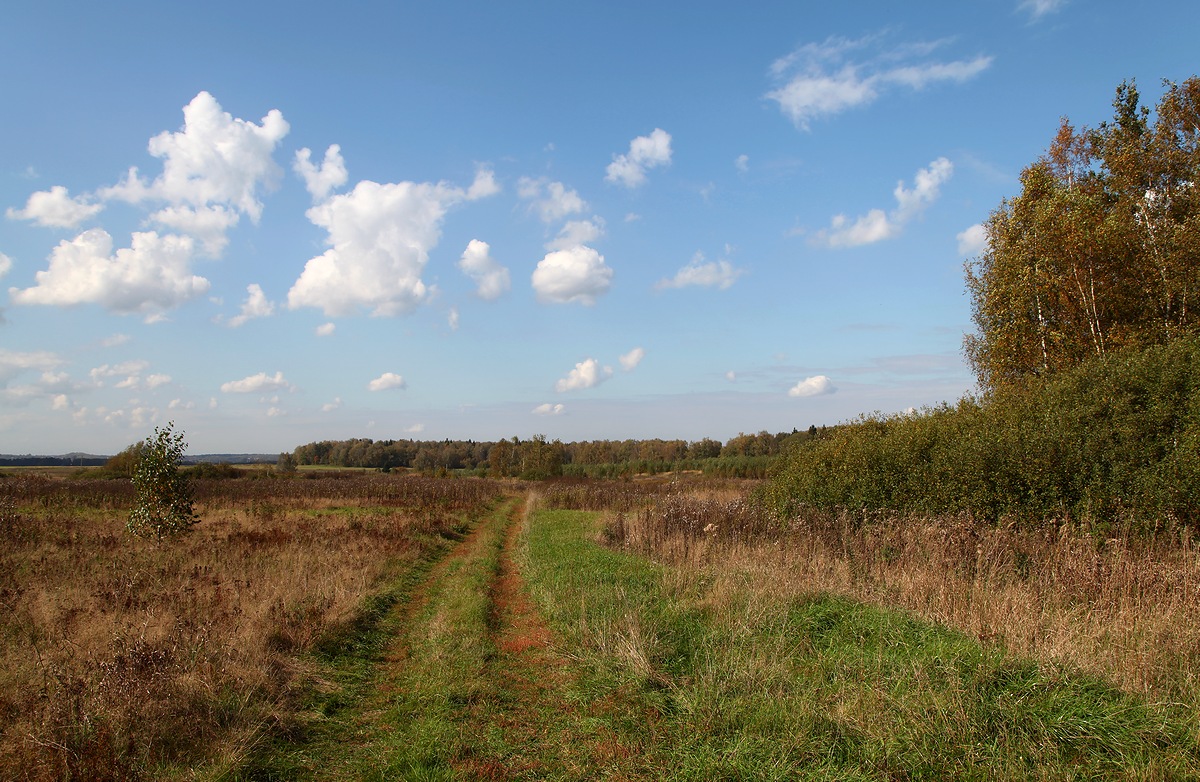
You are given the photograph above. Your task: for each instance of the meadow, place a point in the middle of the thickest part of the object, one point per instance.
(356, 625)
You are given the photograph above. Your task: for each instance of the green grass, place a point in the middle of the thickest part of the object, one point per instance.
(659, 673)
(738, 685)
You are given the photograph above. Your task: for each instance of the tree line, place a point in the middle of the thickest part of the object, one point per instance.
(538, 457)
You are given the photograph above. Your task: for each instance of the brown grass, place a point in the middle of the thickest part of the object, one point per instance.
(121, 658)
(1123, 608)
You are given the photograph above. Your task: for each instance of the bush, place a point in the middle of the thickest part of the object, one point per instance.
(1114, 441)
(163, 503)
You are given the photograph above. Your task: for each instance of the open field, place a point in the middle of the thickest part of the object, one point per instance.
(367, 626)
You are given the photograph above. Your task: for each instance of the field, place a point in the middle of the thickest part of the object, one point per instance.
(336, 625)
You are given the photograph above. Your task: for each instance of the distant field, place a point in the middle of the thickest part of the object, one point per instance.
(363, 625)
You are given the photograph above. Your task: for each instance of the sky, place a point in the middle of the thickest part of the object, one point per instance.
(272, 224)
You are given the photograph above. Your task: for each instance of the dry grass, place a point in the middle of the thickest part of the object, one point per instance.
(1123, 608)
(121, 658)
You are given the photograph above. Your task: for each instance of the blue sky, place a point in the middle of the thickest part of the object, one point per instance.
(279, 223)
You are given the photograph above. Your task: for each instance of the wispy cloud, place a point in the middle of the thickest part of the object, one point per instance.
(819, 80)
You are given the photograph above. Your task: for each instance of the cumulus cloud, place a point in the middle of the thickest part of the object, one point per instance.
(822, 79)
(972, 241)
(329, 407)
(214, 159)
(6, 264)
(257, 384)
(156, 380)
(325, 329)
(387, 381)
(630, 360)
(256, 305)
(742, 163)
(549, 409)
(645, 152)
(491, 279)
(577, 274)
(213, 172)
(550, 200)
(452, 319)
(323, 179)
(484, 184)
(713, 274)
(818, 385)
(586, 374)
(380, 236)
(150, 276)
(577, 232)
(877, 225)
(54, 208)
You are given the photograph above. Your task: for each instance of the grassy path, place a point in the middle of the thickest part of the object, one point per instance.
(459, 681)
(530, 652)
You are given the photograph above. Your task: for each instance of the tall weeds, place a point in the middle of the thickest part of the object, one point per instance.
(122, 658)
(1120, 607)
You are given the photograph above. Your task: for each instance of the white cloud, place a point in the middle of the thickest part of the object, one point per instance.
(876, 225)
(577, 232)
(550, 200)
(380, 236)
(324, 179)
(1039, 8)
(209, 224)
(386, 381)
(414, 428)
(715, 274)
(257, 384)
(255, 306)
(150, 276)
(115, 340)
(325, 329)
(329, 407)
(156, 380)
(179, 404)
(731, 376)
(817, 385)
(742, 163)
(586, 374)
(491, 279)
(54, 208)
(215, 159)
(484, 184)
(575, 274)
(13, 363)
(131, 371)
(630, 360)
(645, 152)
(549, 409)
(972, 241)
(6, 264)
(452, 319)
(820, 79)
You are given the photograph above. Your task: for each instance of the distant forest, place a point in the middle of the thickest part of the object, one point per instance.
(745, 455)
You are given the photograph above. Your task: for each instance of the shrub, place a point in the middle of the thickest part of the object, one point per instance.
(163, 502)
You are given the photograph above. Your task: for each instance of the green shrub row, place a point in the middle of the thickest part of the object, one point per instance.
(1114, 441)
